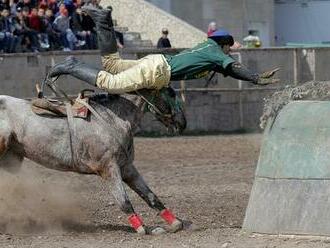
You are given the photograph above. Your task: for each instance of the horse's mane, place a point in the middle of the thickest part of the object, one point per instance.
(107, 99)
(103, 98)
(112, 106)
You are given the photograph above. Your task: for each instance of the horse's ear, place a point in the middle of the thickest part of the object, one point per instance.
(40, 94)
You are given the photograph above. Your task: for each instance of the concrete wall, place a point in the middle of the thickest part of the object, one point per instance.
(19, 73)
(216, 110)
(228, 105)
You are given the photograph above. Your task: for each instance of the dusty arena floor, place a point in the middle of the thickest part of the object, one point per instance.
(205, 180)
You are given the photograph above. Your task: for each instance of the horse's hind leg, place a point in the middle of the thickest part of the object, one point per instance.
(119, 192)
(135, 181)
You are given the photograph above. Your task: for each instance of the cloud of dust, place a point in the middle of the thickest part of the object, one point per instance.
(31, 204)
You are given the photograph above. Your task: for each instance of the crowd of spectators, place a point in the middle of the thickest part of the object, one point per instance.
(41, 25)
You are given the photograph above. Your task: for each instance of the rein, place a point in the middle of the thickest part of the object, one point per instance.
(151, 107)
(51, 83)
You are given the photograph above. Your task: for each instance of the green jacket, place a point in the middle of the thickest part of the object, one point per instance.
(198, 61)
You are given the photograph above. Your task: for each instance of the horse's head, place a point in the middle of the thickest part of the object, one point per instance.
(166, 106)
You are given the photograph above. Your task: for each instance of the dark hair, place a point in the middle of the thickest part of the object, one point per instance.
(223, 40)
(165, 31)
(26, 9)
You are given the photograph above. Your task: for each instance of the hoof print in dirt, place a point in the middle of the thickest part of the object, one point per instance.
(190, 226)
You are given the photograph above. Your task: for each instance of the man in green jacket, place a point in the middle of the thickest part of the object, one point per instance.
(154, 71)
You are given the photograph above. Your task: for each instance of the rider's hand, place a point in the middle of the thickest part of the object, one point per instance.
(269, 74)
(265, 78)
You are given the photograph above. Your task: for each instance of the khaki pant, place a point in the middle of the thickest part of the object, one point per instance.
(120, 76)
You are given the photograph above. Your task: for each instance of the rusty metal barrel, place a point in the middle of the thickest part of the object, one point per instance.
(291, 190)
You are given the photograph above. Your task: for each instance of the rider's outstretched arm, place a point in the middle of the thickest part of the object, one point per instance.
(238, 71)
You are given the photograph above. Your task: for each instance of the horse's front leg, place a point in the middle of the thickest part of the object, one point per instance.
(119, 193)
(135, 181)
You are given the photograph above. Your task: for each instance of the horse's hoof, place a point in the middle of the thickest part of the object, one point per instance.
(141, 230)
(177, 225)
(157, 231)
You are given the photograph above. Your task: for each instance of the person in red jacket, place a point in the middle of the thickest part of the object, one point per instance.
(34, 20)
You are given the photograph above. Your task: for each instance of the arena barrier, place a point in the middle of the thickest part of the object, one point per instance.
(291, 191)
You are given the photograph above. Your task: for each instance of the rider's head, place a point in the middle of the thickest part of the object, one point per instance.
(223, 39)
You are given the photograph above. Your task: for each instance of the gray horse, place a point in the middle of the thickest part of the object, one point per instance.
(93, 146)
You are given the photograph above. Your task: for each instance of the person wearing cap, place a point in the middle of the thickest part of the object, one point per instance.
(155, 71)
(211, 28)
(163, 41)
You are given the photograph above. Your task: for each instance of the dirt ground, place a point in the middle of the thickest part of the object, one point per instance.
(205, 180)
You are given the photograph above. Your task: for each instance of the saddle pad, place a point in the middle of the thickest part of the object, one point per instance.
(55, 108)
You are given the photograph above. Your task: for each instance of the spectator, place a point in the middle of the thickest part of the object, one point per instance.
(13, 7)
(211, 28)
(24, 4)
(43, 36)
(49, 15)
(9, 39)
(69, 5)
(53, 36)
(61, 25)
(68, 38)
(52, 5)
(83, 27)
(29, 36)
(4, 4)
(43, 5)
(163, 41)
(252, 40)
(34, 21)
(89, 26)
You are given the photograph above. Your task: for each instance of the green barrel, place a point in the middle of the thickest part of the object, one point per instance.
(291, 191)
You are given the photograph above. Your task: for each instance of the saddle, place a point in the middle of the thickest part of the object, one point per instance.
(57, 108)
